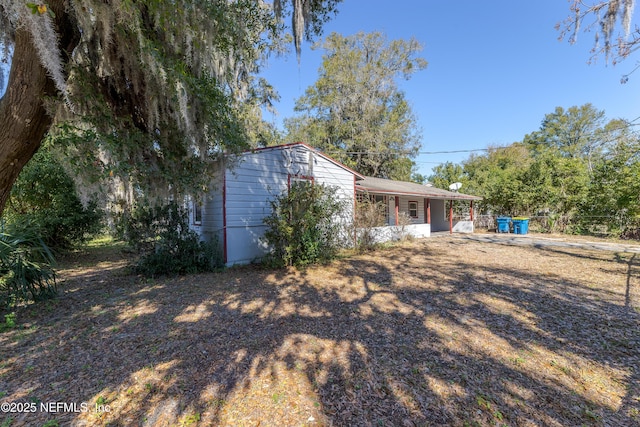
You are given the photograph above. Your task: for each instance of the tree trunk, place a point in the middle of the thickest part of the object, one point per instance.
(23, 118)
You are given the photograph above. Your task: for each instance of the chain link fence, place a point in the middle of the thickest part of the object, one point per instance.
(603, 226)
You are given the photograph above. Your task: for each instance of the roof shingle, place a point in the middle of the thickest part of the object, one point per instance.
(387, 186)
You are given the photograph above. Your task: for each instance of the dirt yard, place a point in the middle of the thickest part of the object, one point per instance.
(443, 331)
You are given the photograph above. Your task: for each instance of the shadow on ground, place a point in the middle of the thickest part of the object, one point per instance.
(446, 332)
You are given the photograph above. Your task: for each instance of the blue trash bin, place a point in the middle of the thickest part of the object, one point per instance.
(503, 224)
(520, 225)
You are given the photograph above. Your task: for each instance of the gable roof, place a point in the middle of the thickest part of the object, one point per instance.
(380, 185)
(388, 186)
(314, 150)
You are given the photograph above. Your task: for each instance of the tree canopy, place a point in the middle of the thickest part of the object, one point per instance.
(578, 170)
(355, 111)
(45, 200)
(446, 174)
(143, 90)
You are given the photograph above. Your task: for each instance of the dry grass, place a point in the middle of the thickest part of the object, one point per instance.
(434, 332)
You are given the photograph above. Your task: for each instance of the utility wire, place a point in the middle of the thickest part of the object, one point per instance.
(474, 150)
(426, 152)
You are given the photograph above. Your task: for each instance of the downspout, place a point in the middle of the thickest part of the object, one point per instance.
(224, 212)
(355, 207)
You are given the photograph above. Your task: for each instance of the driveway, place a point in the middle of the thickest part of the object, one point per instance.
(542, 241)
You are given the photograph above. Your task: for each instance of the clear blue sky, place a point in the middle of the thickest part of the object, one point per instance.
(495, 69)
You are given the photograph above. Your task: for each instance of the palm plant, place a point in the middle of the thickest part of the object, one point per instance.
(26, 266)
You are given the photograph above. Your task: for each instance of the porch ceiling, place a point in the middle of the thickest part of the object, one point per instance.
(403, 188)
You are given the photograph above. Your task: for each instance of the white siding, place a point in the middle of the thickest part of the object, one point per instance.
(242, 191)
(212, 221)
(439, 221)
(211, 227)
(257, 178)
(439, 212)
(404, 207)
(328, 173)
(391, 233)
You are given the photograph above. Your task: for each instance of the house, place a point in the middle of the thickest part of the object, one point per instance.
(428, 209)
(233, 212)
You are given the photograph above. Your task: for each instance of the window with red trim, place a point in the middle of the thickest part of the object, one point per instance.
(300, 179)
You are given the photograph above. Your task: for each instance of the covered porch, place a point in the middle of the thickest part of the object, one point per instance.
(417, 209)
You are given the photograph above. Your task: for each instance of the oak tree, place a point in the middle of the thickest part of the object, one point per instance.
(146, 90)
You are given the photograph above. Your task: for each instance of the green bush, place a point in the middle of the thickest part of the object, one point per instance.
(167, 246)
(26, 272)
(45, 197)
(304, 226)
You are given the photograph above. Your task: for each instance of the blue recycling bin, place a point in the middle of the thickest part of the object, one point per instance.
(520, 225)
(503, 224)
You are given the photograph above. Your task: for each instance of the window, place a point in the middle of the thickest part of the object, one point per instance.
(300, 179)
(413, 209)
(197, 213)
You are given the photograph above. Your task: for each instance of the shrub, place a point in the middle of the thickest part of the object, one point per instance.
(404, 220)
(305, 226)
(166, 243)
(26, 272)
(45, 197)
(369, 214)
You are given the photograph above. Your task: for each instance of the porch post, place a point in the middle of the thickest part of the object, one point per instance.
(397, 206)
(471, 210)
(427, 211)
(451, 216)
